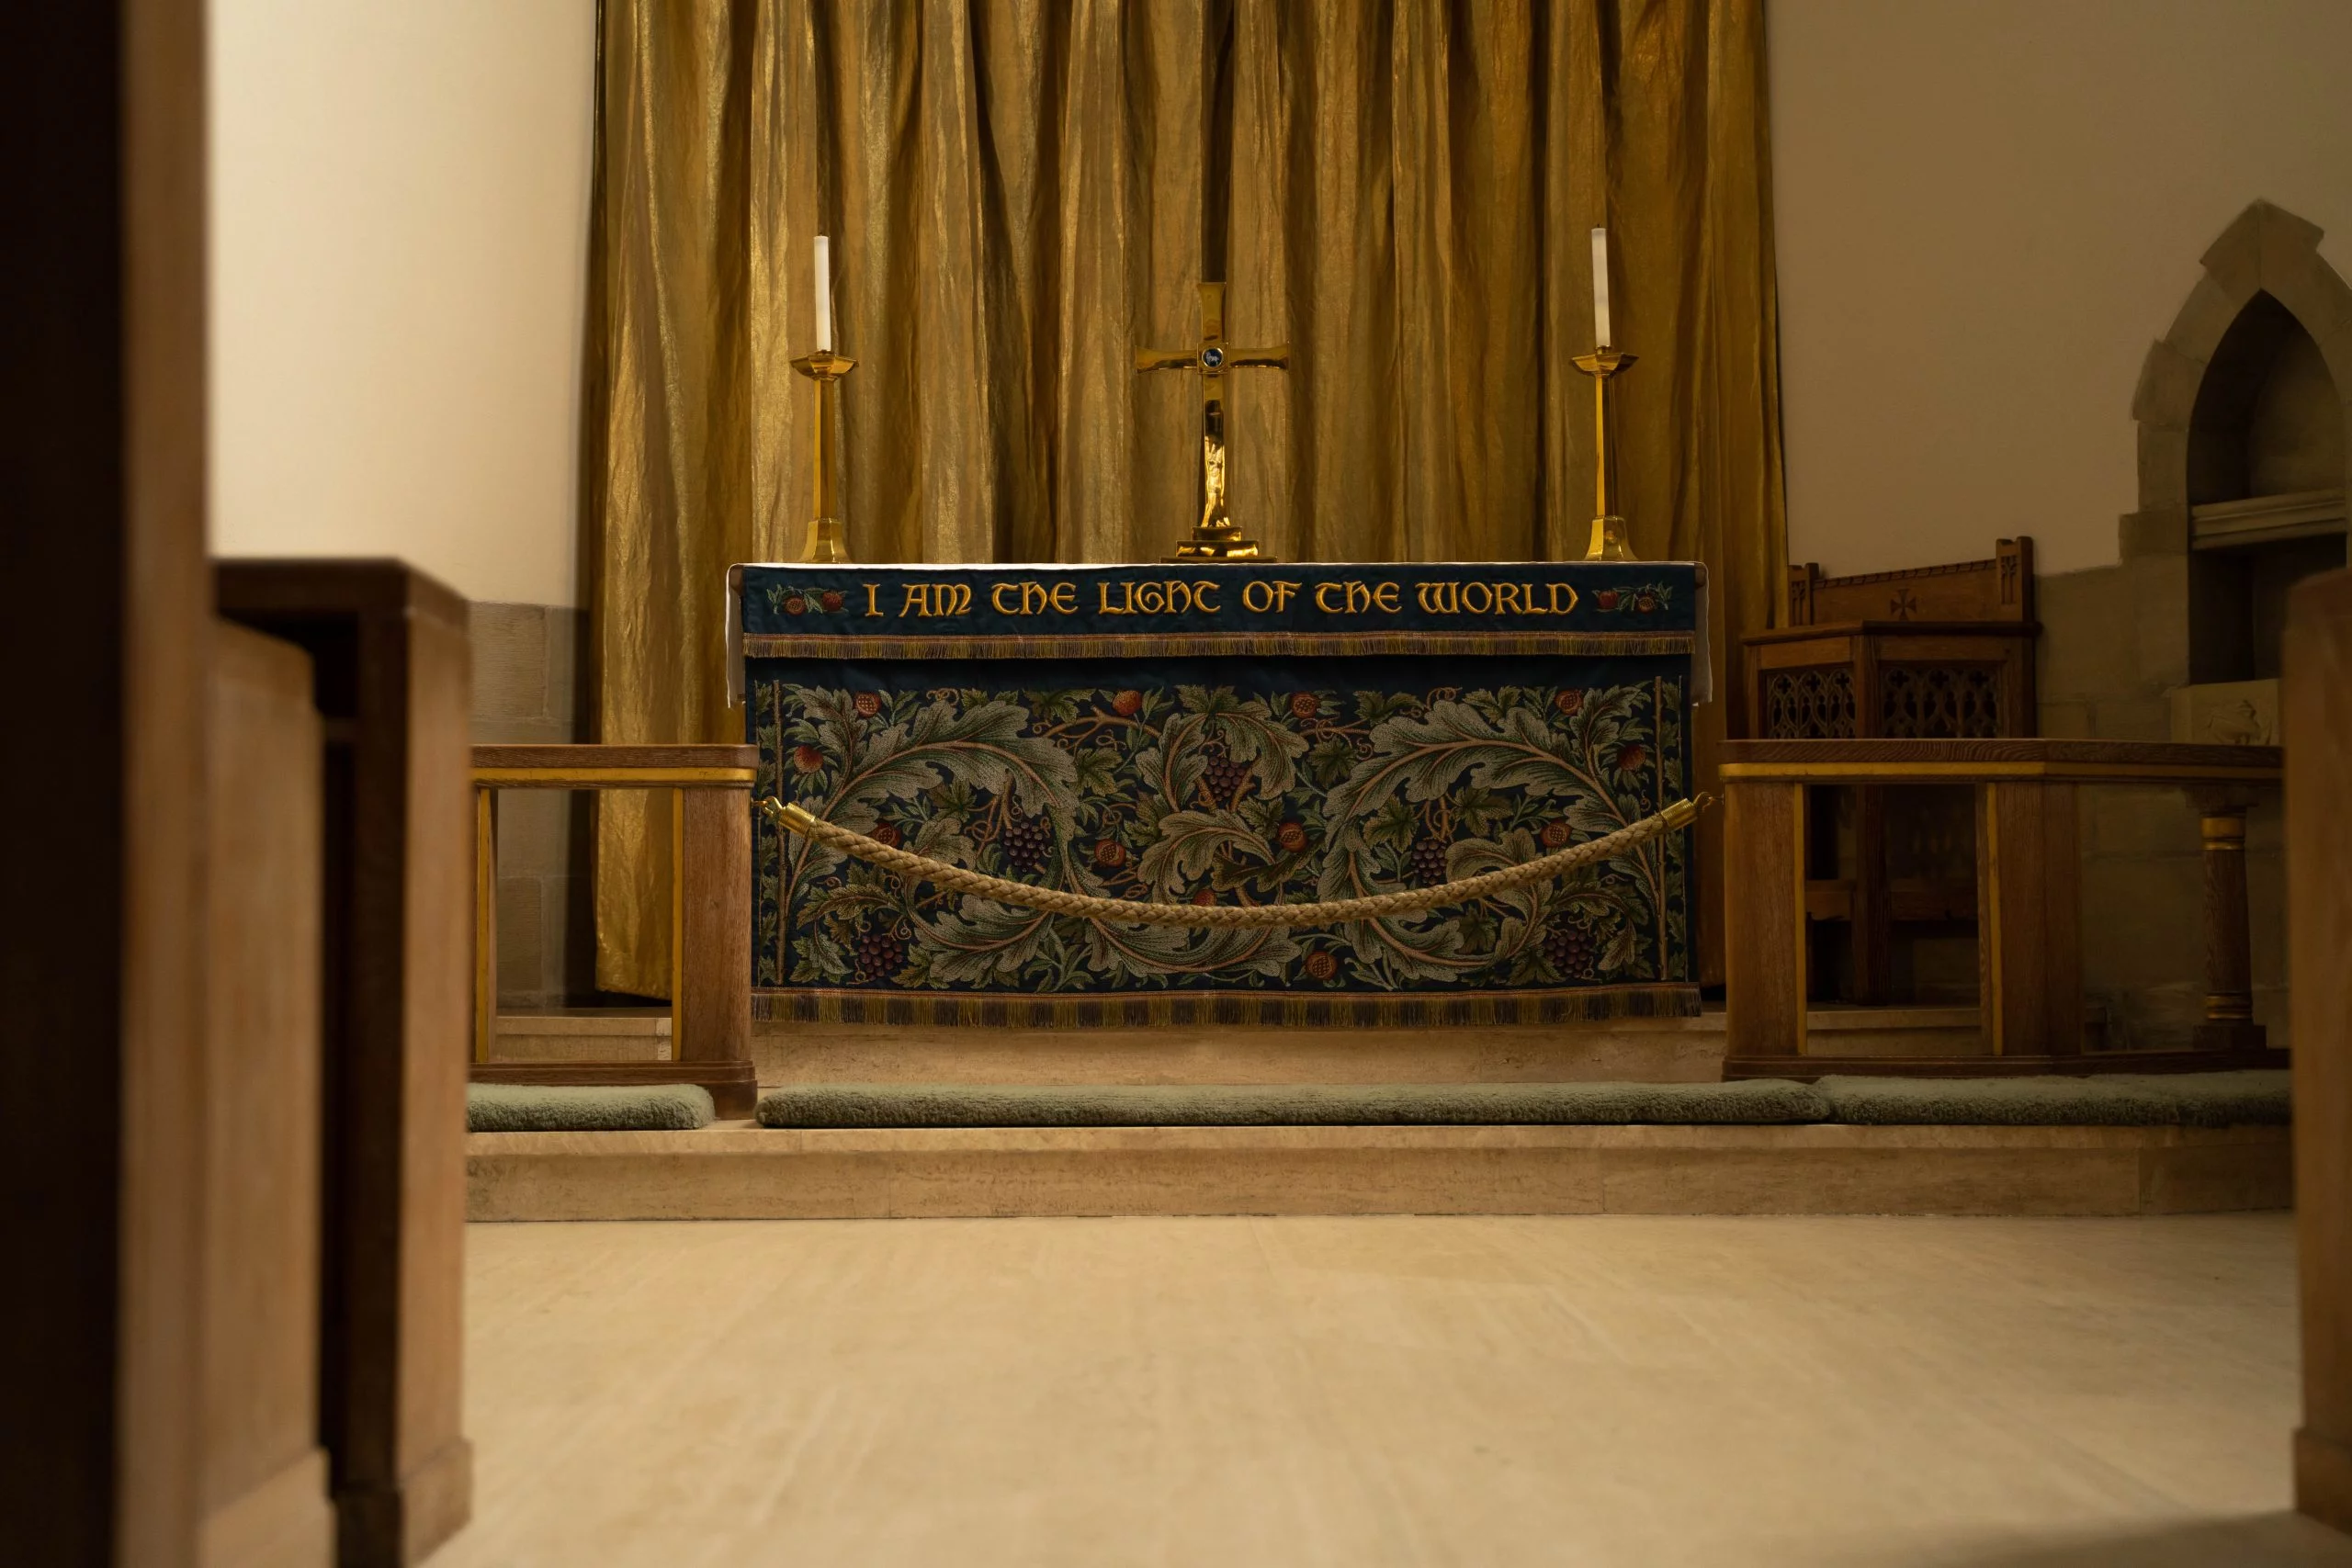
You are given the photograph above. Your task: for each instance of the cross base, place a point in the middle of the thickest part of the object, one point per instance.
(1218, 543)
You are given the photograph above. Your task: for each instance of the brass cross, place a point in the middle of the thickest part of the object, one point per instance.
(1215, 536)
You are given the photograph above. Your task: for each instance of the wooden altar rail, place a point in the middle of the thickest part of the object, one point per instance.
(2027, 891)
(710, 909)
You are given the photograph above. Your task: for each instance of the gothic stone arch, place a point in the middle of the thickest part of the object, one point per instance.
(2267, 250)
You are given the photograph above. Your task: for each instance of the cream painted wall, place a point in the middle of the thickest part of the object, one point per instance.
(1986, 210)
(399, 212)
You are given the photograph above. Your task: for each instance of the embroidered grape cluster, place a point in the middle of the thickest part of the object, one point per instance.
(1428, 858)
(1024, 841)
(1222, 774)
(1570, 948)
(881, 952)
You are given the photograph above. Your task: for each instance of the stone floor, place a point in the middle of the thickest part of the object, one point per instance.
(2021, 1393)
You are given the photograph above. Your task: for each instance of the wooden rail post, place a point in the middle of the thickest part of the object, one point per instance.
(2318, 723)
(2229, 947)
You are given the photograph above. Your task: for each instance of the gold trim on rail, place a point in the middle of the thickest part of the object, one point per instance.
(1991, 772)
(613, 778)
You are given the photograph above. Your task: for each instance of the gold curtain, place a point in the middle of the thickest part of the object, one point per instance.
(1014, 188)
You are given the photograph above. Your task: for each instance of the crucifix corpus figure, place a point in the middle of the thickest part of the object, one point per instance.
(1215, 536)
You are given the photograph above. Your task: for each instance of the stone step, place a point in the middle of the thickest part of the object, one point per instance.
(1659, 1050)
(735, 1171)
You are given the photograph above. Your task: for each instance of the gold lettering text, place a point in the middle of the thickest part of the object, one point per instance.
(1321, 590)
(1065, 597)
(1486, 598)
(1556, 588)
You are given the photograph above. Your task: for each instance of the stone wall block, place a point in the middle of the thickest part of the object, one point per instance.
(534, 832)
(2131, 718)
(2140, 820)
(2233, 260)
(2141, 925)
(2087, 632)
(2159, 589)
(566, 692)
(2167, 389)
(2203, 318)
(2154, 530)
(2163, 464)
(509, 662)
(520, 942)
(2066, 719)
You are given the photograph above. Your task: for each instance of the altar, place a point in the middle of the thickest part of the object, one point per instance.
(1239, 733)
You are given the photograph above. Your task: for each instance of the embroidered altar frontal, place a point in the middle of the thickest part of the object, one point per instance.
(1221, 734)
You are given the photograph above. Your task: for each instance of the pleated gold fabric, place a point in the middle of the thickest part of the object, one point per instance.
(1015, 192)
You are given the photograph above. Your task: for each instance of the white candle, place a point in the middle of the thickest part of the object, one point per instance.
(1601, 286)
(825, 293)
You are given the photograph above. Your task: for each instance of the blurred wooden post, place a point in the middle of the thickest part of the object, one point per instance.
(264, 1474)
(2318, 723)
(394, 675)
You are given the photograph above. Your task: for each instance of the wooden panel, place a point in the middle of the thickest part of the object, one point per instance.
(263, 1475)
(2029, 873)
(1764, 963)
(715, 942)
(1798, 649)
(392, 674)
(2000, 589)
(2318, 714)
(102, 658)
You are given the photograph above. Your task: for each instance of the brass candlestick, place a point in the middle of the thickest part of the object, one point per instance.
(1608, 529)
(827, 540)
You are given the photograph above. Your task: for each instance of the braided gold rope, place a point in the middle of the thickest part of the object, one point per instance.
(1131, 911)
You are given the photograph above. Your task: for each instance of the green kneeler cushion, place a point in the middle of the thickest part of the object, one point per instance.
(2110, 1100)
(533, 1107)
(1284, 1105)
(2141, 1100)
